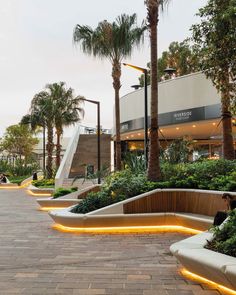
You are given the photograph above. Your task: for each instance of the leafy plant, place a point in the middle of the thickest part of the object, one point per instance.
(224, 237)
(18, 179)
(121, 185)
(178, 151)
(63, 191)
(95, 201)
(43, 183)
(18, 168)
(135, 162)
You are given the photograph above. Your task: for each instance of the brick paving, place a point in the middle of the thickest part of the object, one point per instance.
(35, 259)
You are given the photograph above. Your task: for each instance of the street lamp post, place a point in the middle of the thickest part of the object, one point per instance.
(170, 72)
(145, 72)
(98, 137)
(44, 149)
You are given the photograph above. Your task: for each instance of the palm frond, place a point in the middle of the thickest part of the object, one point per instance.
(114, 40)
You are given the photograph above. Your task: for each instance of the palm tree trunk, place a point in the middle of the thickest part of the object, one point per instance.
(58, 149)
(153, 160)
(228, 145)
(49, 151)
(116, 74)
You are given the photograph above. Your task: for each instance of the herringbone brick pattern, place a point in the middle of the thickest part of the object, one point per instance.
(35, 259)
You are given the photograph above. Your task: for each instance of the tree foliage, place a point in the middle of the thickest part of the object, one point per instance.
(215, 44)
(18, 140)
(66, 110)
(180, 56)
(54, 107)
(113, 41)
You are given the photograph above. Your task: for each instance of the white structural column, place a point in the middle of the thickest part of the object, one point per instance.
(64, 169)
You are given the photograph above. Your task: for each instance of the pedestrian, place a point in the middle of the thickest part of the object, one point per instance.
(222, 215)
(35, 176)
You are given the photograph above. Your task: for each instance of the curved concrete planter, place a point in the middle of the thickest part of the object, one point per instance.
(190, 252)
(211, 265)
(66, 218)
(9, 185)
(24, 183)
(114, 216)
(34, 191)
(62, 202)
(69, 199)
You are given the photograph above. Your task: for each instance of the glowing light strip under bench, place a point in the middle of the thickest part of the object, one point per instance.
(127, 229)
(192, 276)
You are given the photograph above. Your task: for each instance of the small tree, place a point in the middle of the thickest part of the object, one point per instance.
(19, 140)
(215, 43)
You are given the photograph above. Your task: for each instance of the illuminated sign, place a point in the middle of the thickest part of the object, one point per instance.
(176, 117)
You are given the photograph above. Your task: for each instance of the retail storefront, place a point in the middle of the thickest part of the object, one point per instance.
(188, 106)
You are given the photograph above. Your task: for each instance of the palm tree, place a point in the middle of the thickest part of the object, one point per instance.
(67, 111)
(153, 7)
(36, 121)
(42, 109)
(114, 41)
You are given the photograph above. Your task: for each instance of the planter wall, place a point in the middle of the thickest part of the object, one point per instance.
(69, 199)
(189, 208)
(214, 266)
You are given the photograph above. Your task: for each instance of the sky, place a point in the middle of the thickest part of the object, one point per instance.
(36, 48)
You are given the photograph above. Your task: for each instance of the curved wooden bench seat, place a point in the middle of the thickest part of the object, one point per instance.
(189, 208)
(178, 200)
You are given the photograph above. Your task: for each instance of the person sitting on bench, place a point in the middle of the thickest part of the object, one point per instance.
(222, 215)
(3, 178)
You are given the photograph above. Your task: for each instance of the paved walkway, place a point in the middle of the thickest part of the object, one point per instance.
(35, 259)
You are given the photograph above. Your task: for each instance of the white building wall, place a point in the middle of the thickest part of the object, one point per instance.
(186, 92)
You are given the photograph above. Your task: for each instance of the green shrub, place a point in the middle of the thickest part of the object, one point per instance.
(125, 183)
(224, 238)
(19, 168)
(42, 183)
(18, 180)
(208, 174)
(95, 201)
(135, 162)
(178, 151)
(63, 191)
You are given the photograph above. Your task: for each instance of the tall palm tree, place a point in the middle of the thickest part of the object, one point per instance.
(113, 41)
(36, 123)
(42, 108)
(67, 111)
(153, 7)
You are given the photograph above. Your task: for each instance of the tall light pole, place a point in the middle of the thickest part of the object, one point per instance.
(44, 150)
(98, 137)
(145, 72)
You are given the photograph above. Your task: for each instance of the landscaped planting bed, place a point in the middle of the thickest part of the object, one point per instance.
(207, 175)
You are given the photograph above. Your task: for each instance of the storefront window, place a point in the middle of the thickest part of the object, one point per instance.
(135, 146)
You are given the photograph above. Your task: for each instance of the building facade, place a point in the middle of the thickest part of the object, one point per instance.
(189, 106)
